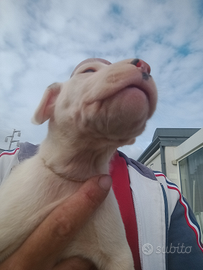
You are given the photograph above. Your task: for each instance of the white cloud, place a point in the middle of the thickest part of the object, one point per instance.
(11, 65)
(42, 41)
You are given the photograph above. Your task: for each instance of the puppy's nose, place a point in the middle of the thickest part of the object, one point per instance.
(142, 64)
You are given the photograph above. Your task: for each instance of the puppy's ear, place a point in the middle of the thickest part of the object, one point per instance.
(47, 104)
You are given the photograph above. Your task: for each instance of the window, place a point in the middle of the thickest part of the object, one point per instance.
(191, 177)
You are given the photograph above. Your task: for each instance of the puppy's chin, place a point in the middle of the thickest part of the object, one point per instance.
(130, 109)
(130, 104)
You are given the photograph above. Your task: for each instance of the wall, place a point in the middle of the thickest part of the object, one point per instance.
(171, 165)
(190, 145)
(154, 162)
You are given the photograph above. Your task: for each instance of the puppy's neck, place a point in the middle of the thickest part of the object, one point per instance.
(76, 160)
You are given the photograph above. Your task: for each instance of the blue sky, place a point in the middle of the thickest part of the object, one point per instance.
(42, 41)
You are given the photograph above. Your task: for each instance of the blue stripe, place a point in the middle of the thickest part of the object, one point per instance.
(166, 220)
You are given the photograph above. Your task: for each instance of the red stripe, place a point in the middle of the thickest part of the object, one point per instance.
(186, 214)
(160, 174)
(9, 153)
(121, 187)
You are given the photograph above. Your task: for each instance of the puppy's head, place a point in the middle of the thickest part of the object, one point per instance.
(101, 100)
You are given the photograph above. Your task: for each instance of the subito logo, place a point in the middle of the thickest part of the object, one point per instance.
(147, 249)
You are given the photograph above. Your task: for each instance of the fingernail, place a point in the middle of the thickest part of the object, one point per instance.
(105, 182)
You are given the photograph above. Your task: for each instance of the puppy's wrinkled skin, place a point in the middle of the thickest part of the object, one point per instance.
(102, 106)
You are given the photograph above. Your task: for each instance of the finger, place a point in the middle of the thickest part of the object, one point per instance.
(41, 249)
(75, 263)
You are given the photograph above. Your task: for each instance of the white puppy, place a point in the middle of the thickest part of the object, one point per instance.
(102, 106)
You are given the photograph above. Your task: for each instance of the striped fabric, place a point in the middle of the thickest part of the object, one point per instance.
(189, 219)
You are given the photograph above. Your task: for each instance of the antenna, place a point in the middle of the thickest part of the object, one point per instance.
(12, 137)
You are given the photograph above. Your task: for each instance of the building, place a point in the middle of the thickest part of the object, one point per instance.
(178, 153)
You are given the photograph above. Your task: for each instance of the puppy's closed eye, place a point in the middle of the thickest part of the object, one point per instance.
(88, 70)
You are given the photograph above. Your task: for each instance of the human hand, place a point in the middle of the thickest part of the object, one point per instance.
(41, 249)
